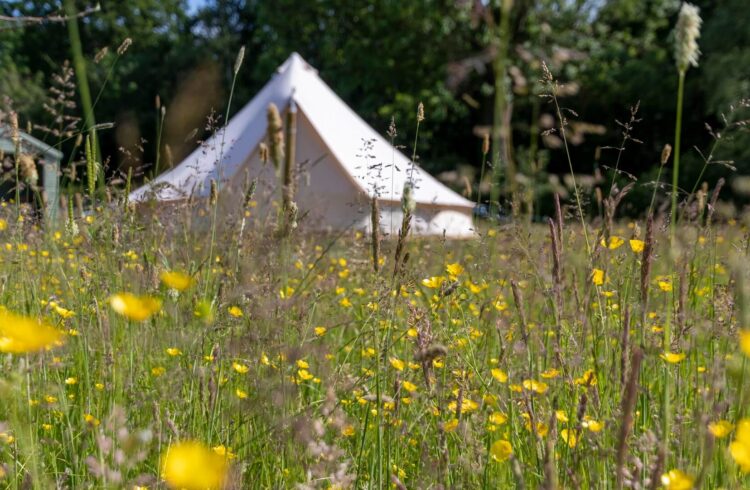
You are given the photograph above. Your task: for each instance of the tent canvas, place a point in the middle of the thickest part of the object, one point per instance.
(343, 163)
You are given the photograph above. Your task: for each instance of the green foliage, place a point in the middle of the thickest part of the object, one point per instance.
(17, 82)
(384, 57)
(726, 74)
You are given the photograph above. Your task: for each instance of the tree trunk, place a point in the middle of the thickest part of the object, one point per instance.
(501, 116)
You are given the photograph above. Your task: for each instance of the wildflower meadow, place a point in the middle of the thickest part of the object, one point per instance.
(213, 344)
(529, 356)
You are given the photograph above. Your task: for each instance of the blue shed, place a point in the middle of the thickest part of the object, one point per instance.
(46, 159)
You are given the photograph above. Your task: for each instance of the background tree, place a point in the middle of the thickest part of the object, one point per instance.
(385, 56)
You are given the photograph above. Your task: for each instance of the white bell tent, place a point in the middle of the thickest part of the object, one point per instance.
(341, 161)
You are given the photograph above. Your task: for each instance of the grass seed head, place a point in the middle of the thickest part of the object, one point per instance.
(687, 32)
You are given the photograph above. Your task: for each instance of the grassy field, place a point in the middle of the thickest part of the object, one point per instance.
(533, 356)
(192, 348)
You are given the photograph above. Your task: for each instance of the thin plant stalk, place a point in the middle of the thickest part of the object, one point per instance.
(676, 162)
(79, 64)
(237, 64)
(548, 78)
(160, 122)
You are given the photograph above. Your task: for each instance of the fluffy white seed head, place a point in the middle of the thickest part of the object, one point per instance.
(687, 32)
(408, 204)
(238, 61)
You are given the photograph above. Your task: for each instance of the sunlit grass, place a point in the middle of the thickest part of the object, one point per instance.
(304, 366)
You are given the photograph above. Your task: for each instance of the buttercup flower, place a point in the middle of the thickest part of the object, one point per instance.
(192, 466)
(19, 334)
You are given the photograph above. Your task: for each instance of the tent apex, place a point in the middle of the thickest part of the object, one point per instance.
(296, 61)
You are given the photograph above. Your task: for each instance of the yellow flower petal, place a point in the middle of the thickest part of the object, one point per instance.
(740, 447)
(397, 364)
(176, 280)
(570, 437)
(745, 342)
(614, 242)
(501, 451)
(137, 308)
(535, 386)
(235, 311)
(454, 269)
(677, 480)
(499, 375)
(720, 429)
(597, 277)
(588, 379)
(673, 357)
(451, 425)
(193, 466)
(19, 334)
(240, 368)
(637, 246)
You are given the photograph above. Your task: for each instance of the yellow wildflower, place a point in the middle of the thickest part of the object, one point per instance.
(591, 424)
(501, 451)
(597, 277)
(499, 375)
(721, 428)
(467, 406)
(745, 341)
(677, 480)
(665, 285)
(63, 312)
(137, 308)
(454, 270)
(673, 357)
(176, 280)
(588, 379)
(740, 447)
(222, 450)
(397, 364)
(240, 368)
(614, 242)
(570, 437)
(451, 425)
(433, 282)
(637, 245)
(535, 386)
(192, 466)
(19, 335)
(235, 311)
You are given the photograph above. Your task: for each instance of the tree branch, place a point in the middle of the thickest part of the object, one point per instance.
(25, 20)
